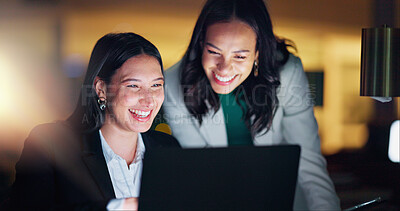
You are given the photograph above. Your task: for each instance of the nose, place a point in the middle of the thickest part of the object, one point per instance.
(146, 99)
(224, 65)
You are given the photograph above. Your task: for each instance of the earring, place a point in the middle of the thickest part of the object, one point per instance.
(102, 103)
(255, 68)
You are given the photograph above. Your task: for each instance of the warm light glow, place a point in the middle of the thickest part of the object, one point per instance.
(171, 34)
(21, 101)
(394, 145)
(31, 87)
(5, 94)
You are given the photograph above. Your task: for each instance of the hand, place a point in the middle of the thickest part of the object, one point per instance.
(131, 203)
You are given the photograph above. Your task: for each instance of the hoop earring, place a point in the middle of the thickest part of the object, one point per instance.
(255, 68)
(102, 103)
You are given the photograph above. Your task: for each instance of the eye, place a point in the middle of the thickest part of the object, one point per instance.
(213, 52)
(132, 86)
(240, 57)
(157, 85)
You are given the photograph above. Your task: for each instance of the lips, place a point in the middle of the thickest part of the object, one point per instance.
(140, 115)
(223, 80)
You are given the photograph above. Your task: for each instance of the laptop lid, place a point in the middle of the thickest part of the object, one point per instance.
(234, 178)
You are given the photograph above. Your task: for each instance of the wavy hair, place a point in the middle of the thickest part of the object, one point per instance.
(259, 93)
(108, 55)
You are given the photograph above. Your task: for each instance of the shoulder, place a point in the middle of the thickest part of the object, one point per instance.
(173, 89)
(294, 88)
(293, 66)
(172, 73)
(173, 79)
(51, 134)
(292, 75)
(47, 130)
(155, 139)
(44, 142)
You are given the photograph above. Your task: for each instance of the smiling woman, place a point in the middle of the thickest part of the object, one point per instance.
(134, 95)
(238, 84)
(228, 64)
(93, 160)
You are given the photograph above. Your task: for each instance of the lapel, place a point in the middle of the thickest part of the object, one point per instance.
(149, 142)
(213, 129)
(152, 140)
(94, 159)
(264, 138)
(274, 135)
(214, 134)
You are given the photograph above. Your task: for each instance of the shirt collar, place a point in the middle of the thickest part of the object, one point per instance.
(110, 155)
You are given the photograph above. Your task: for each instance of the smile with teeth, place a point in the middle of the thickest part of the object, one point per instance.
(224, 79)
(140, 114)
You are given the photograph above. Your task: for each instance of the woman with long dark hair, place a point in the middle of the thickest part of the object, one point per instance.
(237, 84)
(93, 160)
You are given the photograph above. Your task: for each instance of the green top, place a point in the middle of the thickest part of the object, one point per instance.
(236, 129)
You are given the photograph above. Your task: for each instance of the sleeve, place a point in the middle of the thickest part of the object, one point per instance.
(115, 204)
(179, 121)
(300, 127)
(35, 186)
(34, 174)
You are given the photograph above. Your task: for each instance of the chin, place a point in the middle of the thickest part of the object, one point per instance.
(222, 90)
(141, 128)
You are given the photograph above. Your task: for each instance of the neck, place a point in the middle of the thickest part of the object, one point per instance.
(123, 143)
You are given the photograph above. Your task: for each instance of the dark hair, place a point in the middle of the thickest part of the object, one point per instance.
(109, 54)
(260, 92)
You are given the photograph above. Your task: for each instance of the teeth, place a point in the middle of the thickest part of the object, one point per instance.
(224, 79)
(140, 113)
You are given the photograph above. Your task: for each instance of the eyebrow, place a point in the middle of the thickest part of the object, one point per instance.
(138, 80)
(213, 46)
(238, 51)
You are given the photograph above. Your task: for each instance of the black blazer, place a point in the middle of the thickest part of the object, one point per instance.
(62, 169)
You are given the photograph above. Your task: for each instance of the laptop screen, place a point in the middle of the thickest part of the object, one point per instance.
(234, 178)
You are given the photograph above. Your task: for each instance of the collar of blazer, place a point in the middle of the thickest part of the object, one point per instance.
(213, 128)
(92, 155)
(96, 163)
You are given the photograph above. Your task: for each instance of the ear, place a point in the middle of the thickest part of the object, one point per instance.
(256, 57)
(100, 87)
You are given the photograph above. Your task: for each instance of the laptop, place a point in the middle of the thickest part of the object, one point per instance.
(233, 178)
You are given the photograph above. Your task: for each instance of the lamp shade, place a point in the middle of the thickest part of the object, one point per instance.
(380, 62)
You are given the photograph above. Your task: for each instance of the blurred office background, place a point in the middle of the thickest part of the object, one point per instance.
(45, 46)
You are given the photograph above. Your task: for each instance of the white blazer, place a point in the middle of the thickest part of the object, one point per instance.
(293, 123)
